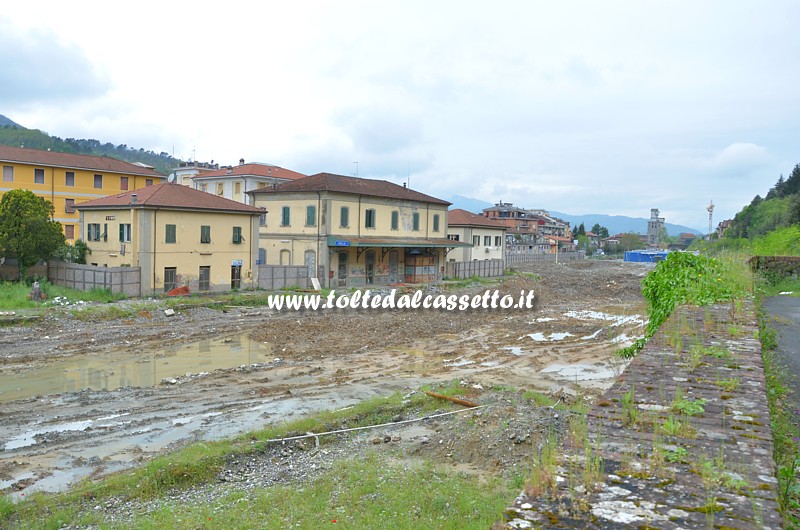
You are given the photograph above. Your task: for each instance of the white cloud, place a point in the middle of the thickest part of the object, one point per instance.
(576, 106)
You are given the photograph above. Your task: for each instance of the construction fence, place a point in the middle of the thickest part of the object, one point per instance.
(516, 258)
(272, 277)
(468, 269)
(126, 280)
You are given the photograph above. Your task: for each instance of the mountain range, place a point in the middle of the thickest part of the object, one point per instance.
(6, 121)
(616, 224)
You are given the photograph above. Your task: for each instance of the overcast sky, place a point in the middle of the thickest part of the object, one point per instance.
(580, 107)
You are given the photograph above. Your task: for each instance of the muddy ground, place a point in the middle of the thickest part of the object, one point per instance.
(308, 361)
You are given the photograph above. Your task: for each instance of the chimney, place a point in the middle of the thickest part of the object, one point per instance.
(241, 161)
(134, 198)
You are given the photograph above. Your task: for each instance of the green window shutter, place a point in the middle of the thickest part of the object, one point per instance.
(436, 222)
(311, 216)
(395, 220)
(345, 217)
(285, 216)
(416, 221)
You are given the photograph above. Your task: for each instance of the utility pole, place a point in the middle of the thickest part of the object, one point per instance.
(710, 209)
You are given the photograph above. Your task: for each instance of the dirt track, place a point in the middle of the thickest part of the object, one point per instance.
(318, 360)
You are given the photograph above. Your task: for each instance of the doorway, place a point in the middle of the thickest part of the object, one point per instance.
(342, 272)
(393, 276)
(369, 263)
(236, 277)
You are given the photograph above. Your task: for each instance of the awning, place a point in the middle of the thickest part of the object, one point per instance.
(339, 241)
(386, 243)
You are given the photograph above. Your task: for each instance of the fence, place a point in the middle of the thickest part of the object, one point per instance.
(126, 280)
(513, 258)
(468, 269)
(271, 277)
(9, 270)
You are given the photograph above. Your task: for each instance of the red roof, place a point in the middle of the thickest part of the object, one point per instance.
(169, 196)
(463, 217)
(72, 161)
(351, 185)
(254, 169)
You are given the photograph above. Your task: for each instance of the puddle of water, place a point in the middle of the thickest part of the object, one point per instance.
(593, 335)
(579, 372)
(539, 337)
(132, 369)
(29, 438)
(515, 350)
(616, 320)
(457, 362)
(624, 339)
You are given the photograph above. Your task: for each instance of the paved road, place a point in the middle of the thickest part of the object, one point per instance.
(784, 312)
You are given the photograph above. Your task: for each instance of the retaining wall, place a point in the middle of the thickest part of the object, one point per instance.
(667, 469)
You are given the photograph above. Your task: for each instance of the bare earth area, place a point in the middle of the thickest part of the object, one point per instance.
(205, 374)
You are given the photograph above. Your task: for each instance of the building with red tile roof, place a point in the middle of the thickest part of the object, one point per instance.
(176, 235)
(234, 182)
(68, 179)
(488, 237)
(351, 231)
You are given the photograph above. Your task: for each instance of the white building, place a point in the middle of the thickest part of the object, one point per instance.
(488, 237)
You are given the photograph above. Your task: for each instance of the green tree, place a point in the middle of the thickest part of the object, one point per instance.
(27, 231)
(73, 253)
(630, 242)
(581, 231)
(601, 231)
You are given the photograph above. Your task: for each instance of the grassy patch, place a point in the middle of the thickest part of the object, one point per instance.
(370, 492)
(785, 430)
(683, 278)
(14, 295)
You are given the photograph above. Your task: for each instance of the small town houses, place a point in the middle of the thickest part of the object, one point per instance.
(208, 227)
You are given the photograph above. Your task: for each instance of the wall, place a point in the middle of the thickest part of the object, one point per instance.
(124, 280)
(479, 252)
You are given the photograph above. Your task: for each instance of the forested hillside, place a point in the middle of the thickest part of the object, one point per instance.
(17, 136)
(779, 209)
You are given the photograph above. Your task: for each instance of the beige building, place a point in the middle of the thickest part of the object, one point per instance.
(351, 231)
(178, 236)
(233, 182)
(487, 237)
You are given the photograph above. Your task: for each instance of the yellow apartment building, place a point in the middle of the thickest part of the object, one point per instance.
(177, 235)
(487, 237)
(351, 231)
(67, 180)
